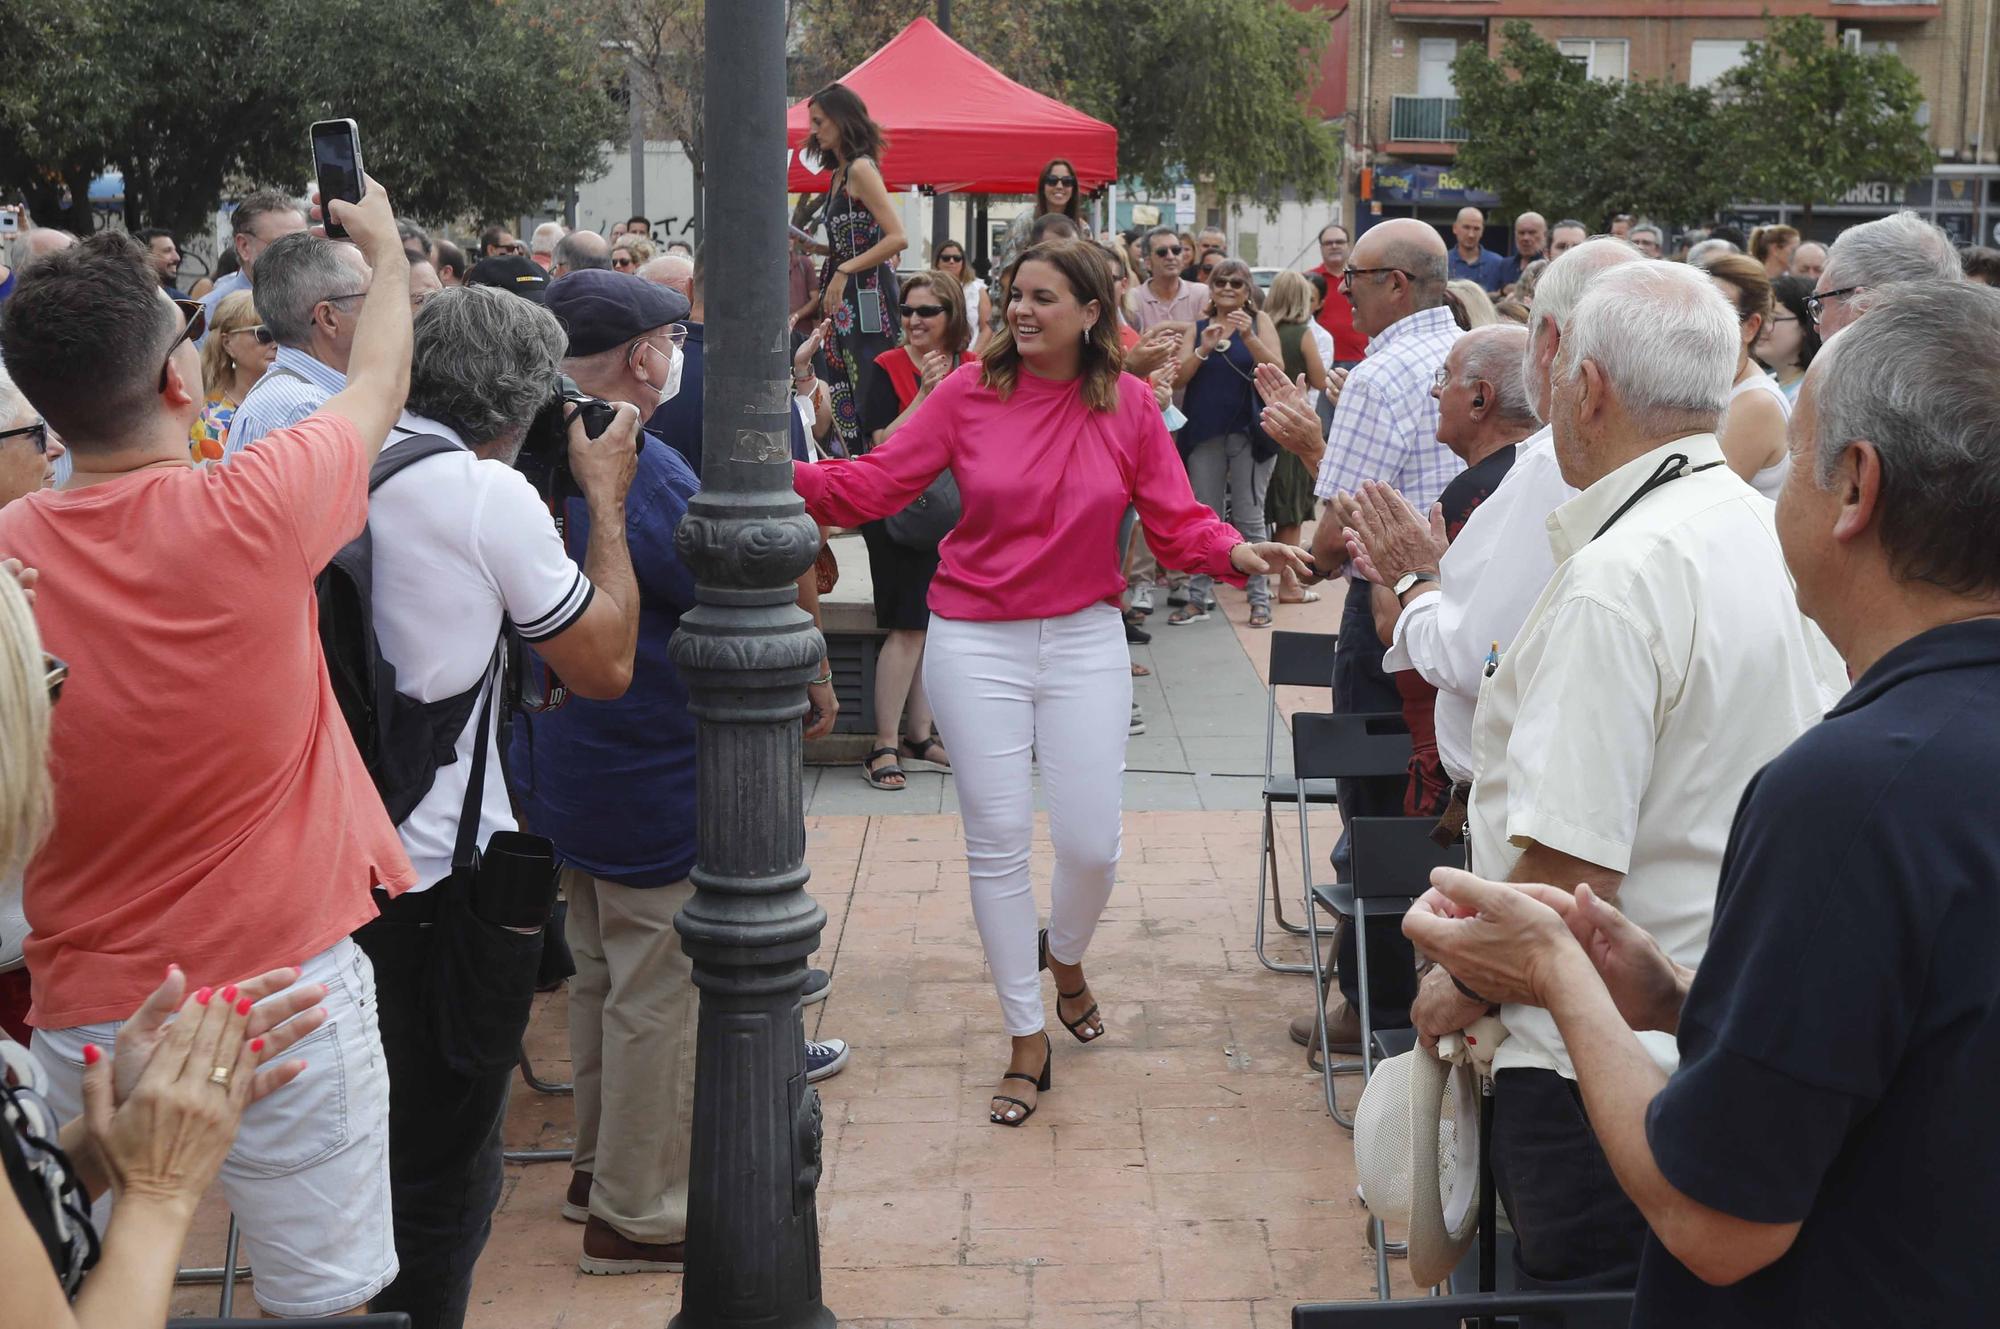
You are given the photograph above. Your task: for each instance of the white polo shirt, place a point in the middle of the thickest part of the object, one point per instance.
(1665, 662)
(1488, 581)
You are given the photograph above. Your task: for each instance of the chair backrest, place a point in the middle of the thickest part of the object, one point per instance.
(383, 1320)
(1393, 856)
(1349, 747)
(1566, 1310)
(1302, 659)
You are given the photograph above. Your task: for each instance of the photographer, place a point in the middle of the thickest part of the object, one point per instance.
(613, 784)
(459, 541)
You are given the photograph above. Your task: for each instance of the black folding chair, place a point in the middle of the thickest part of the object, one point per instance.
(1568, 1310)
(1298, 660)
(386, 1320)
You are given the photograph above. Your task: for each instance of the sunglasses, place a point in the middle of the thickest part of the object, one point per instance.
(1066, 181)
(622, 261)
(1173, 252)
(951, 258)
(54, 674)
(263, 334)
(920, 311)
(1816, 304)
(1228, 283)
(196, 315)
(38, 431)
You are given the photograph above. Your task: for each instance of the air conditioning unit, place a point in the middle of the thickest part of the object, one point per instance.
(1850, 40)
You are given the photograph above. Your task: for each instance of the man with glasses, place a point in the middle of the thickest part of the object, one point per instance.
(28, 451)
(1898, 248)
(259, 221)
(1336, 312)
(1167, 306)
(1210, 247)
(309, 292)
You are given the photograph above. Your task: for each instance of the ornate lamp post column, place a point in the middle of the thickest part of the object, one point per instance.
(746, 652)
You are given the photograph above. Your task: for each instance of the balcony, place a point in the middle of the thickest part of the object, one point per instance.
(1425, 120)
(1455, 11)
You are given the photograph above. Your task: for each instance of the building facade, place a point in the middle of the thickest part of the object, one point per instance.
(1403, 124)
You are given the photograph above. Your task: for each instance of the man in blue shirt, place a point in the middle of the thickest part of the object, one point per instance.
(612, 783)
(1470, 260)
(1824, 1152)
(257, 223)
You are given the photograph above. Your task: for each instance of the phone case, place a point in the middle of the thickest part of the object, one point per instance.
(869, 308)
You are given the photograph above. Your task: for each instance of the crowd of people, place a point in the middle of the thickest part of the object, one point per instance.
(1682, 571)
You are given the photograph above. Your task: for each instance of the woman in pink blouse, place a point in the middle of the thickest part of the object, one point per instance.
(1050, 443)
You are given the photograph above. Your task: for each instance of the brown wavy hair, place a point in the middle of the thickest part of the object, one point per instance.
(860, 136)
(947, 291)
(1082, 265)
(1746, 274)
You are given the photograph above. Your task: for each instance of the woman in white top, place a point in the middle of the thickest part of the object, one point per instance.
(1753, 428)
(949, 258)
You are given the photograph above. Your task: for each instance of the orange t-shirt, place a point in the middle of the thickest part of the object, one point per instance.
(211, 808)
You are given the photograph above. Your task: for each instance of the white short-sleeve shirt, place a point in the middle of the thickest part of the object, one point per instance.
(457, 542)
(1665, 662)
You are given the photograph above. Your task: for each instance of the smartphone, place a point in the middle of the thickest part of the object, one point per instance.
(10, 221)
(336, 146)
(868, 305)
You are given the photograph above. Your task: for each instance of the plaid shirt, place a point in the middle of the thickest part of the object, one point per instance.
(1385, 425)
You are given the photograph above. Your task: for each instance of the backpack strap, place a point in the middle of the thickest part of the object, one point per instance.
(465, 853)
(390, 462)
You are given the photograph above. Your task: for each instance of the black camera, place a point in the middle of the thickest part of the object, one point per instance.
(544, 456)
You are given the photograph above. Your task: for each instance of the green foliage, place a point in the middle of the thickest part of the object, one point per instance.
(1547, 137)
(1810, 120)
(465, 106)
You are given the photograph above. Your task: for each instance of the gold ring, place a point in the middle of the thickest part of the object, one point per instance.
(219, 1077)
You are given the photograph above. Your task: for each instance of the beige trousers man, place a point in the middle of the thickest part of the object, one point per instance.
(632, 1014)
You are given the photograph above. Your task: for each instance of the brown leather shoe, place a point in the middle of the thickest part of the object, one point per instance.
(1343, 1028)
(606, 1250)
(576, 1204)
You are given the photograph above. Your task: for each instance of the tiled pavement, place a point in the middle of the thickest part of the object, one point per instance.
(1181, 1174)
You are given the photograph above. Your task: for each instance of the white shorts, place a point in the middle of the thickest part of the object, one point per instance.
(308, 1177)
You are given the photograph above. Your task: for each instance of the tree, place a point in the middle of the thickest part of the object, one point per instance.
(1548, 138)
(1809, 119)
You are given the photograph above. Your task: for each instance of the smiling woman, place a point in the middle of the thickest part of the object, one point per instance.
(1050, 443)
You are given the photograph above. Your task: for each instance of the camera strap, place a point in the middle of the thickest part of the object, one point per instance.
(465, 853)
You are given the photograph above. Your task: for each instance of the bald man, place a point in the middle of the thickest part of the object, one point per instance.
(673, 271)
(1385, 428)
(29, 247)
(1531, 242)
(1472, 261)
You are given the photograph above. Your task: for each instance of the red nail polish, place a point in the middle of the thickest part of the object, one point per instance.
(256, 1045)
(229, 993)
(243, 1006)
(91, 1055)
(201, 997)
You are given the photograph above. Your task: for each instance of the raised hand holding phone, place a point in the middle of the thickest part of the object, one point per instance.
(336, 148)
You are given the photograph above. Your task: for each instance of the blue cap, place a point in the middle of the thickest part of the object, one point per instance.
(601, 309)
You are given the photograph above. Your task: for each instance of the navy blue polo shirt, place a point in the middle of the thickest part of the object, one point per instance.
(1490, 271)
(1840, 1047)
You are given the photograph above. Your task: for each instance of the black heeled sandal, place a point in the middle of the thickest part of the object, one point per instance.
(1041, 1083)
(1077, 1027)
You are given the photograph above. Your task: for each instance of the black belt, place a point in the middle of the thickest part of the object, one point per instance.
(410, 909)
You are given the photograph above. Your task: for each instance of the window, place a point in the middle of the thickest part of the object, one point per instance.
(1434, 57)
(1709, 61)
(1601, 57)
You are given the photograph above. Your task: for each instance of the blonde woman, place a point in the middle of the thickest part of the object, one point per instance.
(238, 351)
(631, 252)
(1473, 299)
(1288, 498)
(160, 1108)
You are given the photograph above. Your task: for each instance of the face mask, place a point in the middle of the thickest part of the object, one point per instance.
(1173, 417)
(673, 388)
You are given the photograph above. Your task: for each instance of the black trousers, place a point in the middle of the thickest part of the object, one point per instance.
(1361, 687)
(1574, 1228)
(444, 1130)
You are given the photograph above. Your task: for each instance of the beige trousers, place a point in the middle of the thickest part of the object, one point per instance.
(632, 1015)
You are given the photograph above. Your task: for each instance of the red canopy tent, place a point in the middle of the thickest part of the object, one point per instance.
(956, 123)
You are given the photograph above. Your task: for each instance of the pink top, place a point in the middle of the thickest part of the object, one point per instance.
(1044, 481)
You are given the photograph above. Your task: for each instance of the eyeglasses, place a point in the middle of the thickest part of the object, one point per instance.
(1441, 379)
(55, 673)
(263, 334)
(38, 431)
(1066, 181)
(1816, 304)
(1348, 275)
(920, 311)
(1227, 283)
(196, 315)
(1785, 318)
(351, 295)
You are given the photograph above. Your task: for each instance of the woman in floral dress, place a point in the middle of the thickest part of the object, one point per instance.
(858, 284)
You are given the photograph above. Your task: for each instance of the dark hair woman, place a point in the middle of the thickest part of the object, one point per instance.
(935, 336)
(1789, 341)
(864, 235)
(1056, 191)
(1229, 460)
(1049, 442)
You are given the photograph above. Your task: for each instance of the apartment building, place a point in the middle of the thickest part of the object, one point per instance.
(1402, 114)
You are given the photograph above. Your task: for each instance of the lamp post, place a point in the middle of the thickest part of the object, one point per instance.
(747, 651)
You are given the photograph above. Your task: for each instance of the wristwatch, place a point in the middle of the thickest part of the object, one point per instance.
(1409, 581)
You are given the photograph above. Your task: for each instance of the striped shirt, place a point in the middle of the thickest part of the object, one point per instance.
(293, 388)
(1385, 425)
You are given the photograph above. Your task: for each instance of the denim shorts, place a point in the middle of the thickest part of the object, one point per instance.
(308, 1177)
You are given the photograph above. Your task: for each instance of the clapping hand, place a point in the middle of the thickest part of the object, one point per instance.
(1643, 980)
(1290, 422)
(1504, 941)
(1162, 380)
(1392, 535)
(937, 367)
(1211, 337)
(803, 357)
(1237, 323)
(280, 1015)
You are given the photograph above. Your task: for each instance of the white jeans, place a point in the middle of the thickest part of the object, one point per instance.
(1053, 692)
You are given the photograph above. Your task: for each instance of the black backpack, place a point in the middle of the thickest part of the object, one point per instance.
(402, 741)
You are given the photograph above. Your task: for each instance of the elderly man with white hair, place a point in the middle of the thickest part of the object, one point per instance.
(1902, 247)
(542, 245)
(1664, 663)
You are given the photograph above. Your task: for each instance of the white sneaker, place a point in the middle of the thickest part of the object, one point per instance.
(1138, 721)
(1142, 598)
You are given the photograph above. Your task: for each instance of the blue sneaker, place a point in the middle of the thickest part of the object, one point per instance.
(818, 984)
(824, 1059)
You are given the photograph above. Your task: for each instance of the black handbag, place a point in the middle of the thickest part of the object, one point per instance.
(929, 518)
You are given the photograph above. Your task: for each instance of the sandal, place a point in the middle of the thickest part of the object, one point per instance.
(1191, 612)
(1140, 671)
(1260, 616)
(1079, 1027)
(1041, 1083)
(1302, 598)
(880, 776)
(916, 753)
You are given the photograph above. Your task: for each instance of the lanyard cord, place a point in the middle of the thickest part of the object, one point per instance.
(1673, 468)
